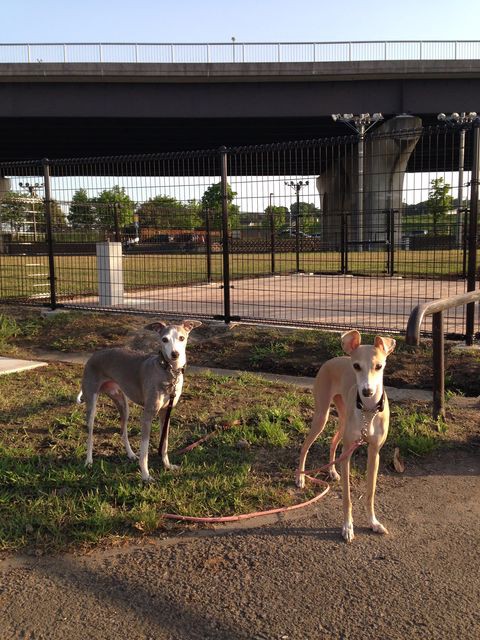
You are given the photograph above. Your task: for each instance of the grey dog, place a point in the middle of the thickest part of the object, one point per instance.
(148, 380)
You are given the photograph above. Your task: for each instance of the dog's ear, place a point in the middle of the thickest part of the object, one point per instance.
(385, 344)
(188, 325)
(156, 326)
(350, 341)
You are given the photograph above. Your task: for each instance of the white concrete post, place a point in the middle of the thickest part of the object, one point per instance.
(110, 273)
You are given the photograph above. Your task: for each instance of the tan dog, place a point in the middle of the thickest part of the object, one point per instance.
(355, 385)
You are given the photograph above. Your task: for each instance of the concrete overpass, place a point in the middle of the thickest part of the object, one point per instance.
(70, 109)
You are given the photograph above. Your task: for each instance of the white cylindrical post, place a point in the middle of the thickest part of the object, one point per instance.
(110, 273)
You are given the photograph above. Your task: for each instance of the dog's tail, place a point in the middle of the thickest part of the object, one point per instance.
(80, 397)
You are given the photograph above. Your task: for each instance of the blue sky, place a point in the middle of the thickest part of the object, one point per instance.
(246, 20)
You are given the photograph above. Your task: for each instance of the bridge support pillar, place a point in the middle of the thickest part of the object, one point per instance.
(387, 152)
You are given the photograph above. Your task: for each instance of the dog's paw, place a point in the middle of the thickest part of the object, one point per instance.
(88, 463)
(147, 479)
(377, 527)
(132, 456)
(347, 532)
(334, 475)
(300, 480)
(172, 467)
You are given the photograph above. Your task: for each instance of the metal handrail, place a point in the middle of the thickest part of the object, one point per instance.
(239, 52)
(436, 309)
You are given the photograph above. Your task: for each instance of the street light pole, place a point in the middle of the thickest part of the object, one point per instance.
(360, 124)
(297, 187)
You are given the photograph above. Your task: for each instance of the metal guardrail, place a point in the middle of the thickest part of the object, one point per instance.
(239, 52)
(436, 309)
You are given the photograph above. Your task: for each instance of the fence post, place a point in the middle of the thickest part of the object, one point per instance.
(225, 238)
(272, 240)
(438, 366)
(473, 232)
(49, 233)
(209, 245)
(391, 241)
(116, 221)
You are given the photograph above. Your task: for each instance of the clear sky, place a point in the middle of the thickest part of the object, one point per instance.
(246, 20)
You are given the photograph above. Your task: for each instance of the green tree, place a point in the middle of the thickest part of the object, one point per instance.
(280, 216)
(212, 204)
(15, 210)
(82, 212)
(111, 202)
(309, 216)
(439, 201)
(165, 212)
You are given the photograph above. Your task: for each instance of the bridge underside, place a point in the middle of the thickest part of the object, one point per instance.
(36, 138)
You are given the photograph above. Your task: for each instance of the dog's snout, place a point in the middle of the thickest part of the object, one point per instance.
(175, 355)
(367, 392)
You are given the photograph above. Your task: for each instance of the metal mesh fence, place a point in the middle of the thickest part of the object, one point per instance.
(305, 234)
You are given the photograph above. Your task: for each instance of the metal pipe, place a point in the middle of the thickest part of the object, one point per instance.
(49, 233)
(473, 232)
(226, 246)
(438, 366)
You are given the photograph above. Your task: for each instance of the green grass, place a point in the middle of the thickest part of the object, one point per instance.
(26, 276)
(48, 499)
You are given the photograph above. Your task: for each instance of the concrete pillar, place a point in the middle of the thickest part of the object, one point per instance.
(110, 273)
(4, 186)
(387, 153)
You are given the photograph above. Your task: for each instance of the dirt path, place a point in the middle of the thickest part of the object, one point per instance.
(290, 579)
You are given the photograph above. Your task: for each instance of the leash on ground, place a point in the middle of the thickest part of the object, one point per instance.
(256, 514)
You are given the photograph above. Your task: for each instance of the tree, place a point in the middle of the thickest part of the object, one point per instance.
(212, 206)
(280, 216)
(165, 212)
(309, 216)
(112, 203)
(439, 201)
(82, 211)
(16, 209)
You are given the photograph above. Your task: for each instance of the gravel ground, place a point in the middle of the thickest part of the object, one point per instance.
(289, 579)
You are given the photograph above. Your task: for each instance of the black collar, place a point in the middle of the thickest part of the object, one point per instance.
(167, 365)
(379, 407)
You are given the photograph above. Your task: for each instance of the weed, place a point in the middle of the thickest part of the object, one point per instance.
(277, 349)
(8, 329)
(413, 431)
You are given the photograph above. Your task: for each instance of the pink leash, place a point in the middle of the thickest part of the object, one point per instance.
(257, 514)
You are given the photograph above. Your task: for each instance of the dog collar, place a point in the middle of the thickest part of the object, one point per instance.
(379, 407)
(167, 365)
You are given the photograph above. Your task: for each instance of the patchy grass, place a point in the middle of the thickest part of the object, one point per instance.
(49, 500)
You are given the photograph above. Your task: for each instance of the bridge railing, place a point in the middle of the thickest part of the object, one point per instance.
(239, 52)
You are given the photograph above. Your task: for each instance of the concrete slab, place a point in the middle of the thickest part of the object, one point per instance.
(14, 365)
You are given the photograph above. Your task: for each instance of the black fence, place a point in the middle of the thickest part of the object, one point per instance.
(334, 233)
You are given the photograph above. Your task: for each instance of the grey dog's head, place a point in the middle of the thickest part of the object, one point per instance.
(173, 340)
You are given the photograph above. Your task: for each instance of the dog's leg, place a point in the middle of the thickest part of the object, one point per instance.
(121, 402)
(372, 471)
(319, 421)
(147, 418)
(164, 451)
(347, 530)
(338, 436)
(91, 402)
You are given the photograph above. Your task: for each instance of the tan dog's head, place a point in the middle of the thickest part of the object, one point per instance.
(173, 340)
(368, 361)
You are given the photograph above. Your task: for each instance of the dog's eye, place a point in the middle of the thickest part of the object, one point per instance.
(357, 367)
(378, 367)
(164, 339)
(181, 338)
